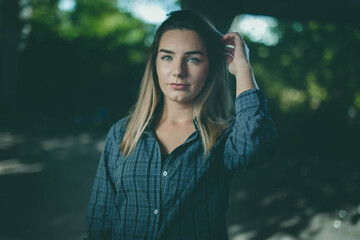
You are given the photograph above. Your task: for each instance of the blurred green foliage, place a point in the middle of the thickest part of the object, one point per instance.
(315, 63)
(75, 61)
(89, 62)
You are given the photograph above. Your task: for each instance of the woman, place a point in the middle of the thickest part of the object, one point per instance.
(166, 169)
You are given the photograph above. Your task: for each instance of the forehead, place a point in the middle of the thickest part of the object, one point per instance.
(181, 40)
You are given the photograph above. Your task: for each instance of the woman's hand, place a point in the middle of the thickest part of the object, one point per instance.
(238, 62)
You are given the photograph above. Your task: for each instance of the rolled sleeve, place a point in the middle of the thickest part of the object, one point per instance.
(252, 138)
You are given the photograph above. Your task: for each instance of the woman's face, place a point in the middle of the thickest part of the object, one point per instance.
(182, 65)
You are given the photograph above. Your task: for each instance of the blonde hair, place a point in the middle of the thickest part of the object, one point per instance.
(213, 106)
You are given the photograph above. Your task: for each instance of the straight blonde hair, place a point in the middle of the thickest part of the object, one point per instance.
(213, 107)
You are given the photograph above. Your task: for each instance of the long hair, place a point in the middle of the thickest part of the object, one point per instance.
(213, 106)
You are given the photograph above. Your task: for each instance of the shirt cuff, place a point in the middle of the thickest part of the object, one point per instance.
(250, 98)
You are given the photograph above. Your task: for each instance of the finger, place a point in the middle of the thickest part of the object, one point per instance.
(229, 46)
(230, 49)
(232, 37)
(229, 58)
(229, 35)
(235, 40)
(228, 40)
(235, 46)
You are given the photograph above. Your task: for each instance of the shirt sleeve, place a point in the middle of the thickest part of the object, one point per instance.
(98, 218)
(252, 138)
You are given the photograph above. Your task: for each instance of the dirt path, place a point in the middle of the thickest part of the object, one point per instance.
(46, 178)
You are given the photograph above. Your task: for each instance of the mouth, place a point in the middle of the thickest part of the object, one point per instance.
(178, 86)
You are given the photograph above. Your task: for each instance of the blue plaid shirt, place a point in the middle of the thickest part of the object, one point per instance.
(126, 200)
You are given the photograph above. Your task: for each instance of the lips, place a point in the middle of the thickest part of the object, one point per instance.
(178, 86)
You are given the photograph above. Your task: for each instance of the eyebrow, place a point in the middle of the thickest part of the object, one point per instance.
(186, 53)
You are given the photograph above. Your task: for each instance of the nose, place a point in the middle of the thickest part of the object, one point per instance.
(179, 70)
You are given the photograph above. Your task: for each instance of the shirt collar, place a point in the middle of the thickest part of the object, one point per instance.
(150, 129)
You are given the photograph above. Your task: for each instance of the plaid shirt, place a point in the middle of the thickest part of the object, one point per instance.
(126, 201)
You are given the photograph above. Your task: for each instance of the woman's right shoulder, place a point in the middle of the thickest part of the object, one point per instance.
(117, 130)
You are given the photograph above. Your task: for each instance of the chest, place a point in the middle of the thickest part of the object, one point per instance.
(171, 137)
(140, 175)
(177, 190)
(143, 171)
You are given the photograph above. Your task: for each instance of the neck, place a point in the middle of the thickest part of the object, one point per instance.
(176, 113)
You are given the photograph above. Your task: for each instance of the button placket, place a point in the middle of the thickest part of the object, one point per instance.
(164, 174)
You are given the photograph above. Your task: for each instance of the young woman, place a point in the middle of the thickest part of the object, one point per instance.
(166, 168)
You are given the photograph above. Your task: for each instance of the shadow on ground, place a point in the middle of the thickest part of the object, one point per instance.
(310, 191)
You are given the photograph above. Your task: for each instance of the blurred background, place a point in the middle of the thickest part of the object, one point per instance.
(70, 68)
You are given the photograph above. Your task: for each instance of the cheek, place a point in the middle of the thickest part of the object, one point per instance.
(203, 75)
(161, 72)
(200, 83)
(161, 78)
(158, 73)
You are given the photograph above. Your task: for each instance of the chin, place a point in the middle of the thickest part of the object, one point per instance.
(182, 99)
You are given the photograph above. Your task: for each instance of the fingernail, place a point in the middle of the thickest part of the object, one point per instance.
(229, 54)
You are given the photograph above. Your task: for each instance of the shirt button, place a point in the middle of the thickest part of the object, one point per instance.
(156, 211)
(165, 173)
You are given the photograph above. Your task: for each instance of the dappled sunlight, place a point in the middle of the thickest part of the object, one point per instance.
(240, 195)
(153, 12)
(311, 65)
(53, 170)
(328, 56)
(293, 221)
(57, 143)
(291, 98)
(324, 225)
(56, 147)
(26, 11)
(67, 5)
(298, 27)
(261, 29)
(273, 197)
(317, 93)
(8, 139)
(295, 198)
(357, 100)
(330, 226)
(15, 166)
(80, 67)
(99, 145)
(237, 233)
(286, 60)
(263, 52)
(298, 51)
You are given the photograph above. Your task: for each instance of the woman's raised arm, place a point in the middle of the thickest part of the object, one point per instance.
(238, 62)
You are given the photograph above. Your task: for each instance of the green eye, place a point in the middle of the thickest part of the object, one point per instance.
(193, 60)
(166, 58)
